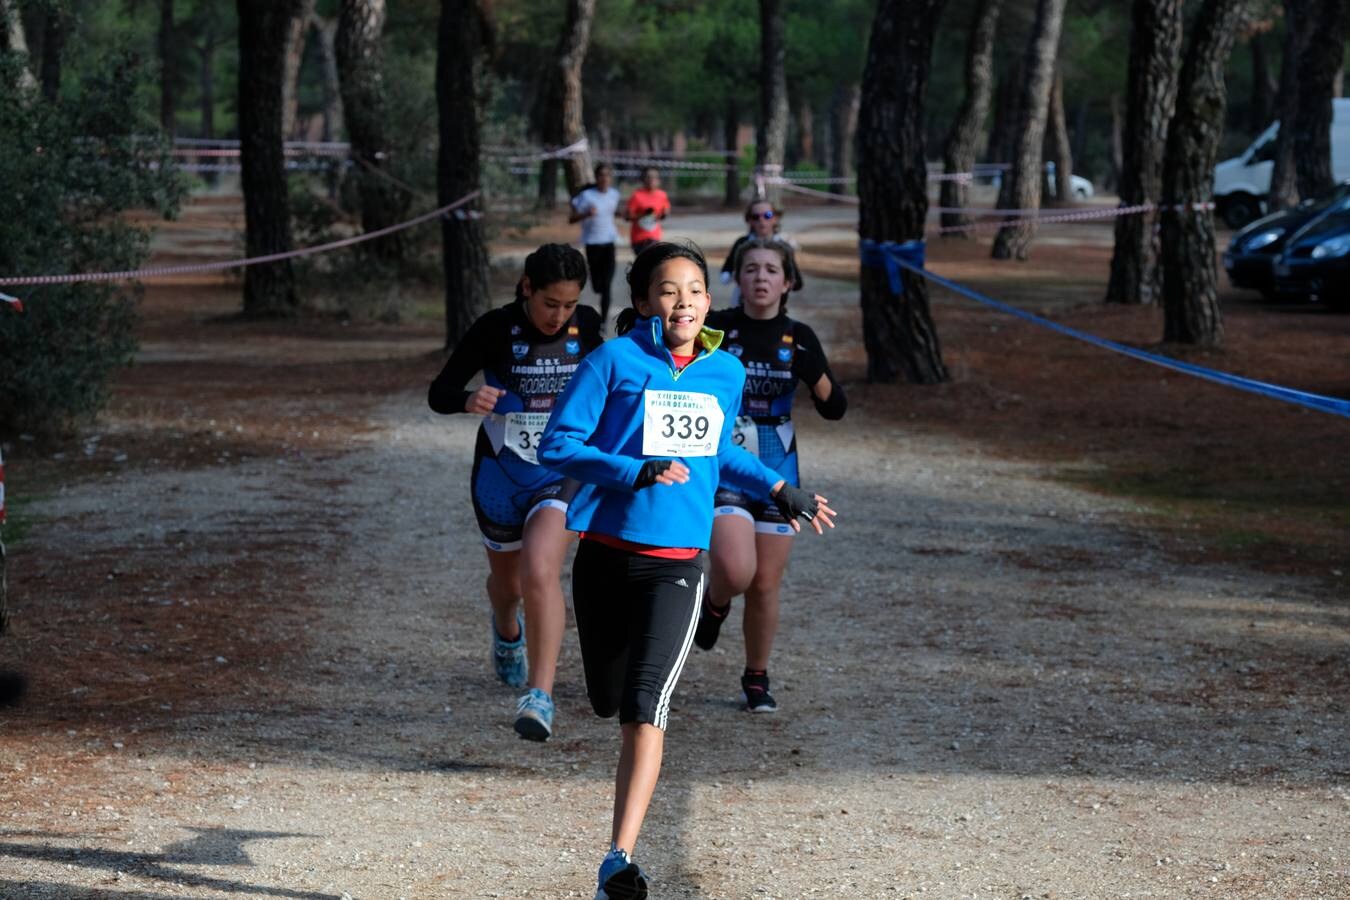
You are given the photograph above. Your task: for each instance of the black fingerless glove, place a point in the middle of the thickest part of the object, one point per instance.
(650, 471)
(807, 366)
(793, 502)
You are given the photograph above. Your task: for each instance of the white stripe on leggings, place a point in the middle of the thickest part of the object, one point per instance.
(663, 701)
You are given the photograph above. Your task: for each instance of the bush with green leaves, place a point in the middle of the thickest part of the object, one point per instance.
(69, 170)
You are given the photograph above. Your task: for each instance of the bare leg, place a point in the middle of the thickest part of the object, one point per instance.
(733, 559)
(541, 560)
(503, 590)
(761, 598)
(635, 782)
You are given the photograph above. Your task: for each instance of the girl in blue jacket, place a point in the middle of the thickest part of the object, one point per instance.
(646, 425)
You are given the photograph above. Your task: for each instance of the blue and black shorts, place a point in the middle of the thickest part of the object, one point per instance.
(507, 491)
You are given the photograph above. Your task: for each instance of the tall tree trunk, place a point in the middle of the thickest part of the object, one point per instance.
(1057, 140)
(843, 127)
(269, 289)
(898, 330)
(1262, 102)
(296, 33)
(806, 130)
(1321, 60)
(958, 154)
(361, 70)
(771, 135)
(326, 32)
(464, 35)
(1191, 311)
(570, 55)
(168, 67)
(1283, 190)
(1117, 142)
(1007, 112)
(1155, 51)
(12, 39)
(731, 129)
(1024, 182)
(54, 28)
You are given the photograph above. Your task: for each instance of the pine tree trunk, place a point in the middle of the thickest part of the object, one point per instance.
(843, 128)
(1263, 88)
(361, 76)
(1117, 142)
(571, 54)
(462, 39)
(54, 29)
(1283, 188)
(1057, 139)
(898, 331)
(806, 133)
(771, 135)
(168, 67)
(1155, 51)
(1191, 311)
(326, 32)
(269, 289)
(12, 39)
(1321, 60)
(1007, 113)
(958, 154)
(296, 33)
(1023, 183)
(731, 128)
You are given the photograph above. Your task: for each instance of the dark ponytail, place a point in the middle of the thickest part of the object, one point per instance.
(644, 267)
(784, 251)
(550, 264)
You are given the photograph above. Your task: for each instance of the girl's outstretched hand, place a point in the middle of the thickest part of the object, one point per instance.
(795, 503)
(661, 471)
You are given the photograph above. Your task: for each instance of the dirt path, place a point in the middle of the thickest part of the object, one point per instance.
(261, 671)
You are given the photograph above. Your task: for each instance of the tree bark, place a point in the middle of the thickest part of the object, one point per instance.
(464, 35)
(1155, 48)
(1117, 142)
(806, 130)
(1321, 60)
(1283, 189)
(958, 154)
(361, 76)
(731, 128)
(898, 331)
(1007, 113)
(269, 289)
(771, 134)
(1057, 138)
(326, 32)
(12, 39)
(1023, 183)
(1191, 313)
(843, 128)
(296, 33)
(168, 67)
(1264, 87)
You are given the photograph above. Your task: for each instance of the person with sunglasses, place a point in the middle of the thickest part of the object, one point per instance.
(764, 221)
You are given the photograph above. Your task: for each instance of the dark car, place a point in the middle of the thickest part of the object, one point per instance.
(1250, 257)
(1315, 262)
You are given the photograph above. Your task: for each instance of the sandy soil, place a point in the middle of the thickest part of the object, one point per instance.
(250, 607)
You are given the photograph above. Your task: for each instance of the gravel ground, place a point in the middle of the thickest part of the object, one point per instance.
(992, 686)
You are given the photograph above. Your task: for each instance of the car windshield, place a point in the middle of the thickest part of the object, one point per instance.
(1336, 198)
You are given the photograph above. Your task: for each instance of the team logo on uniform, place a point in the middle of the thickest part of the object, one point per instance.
(573, 330)
(515, 329)
(783, 529)
(519, 349)
(785, 353)
(734, 333)
(736, 350)
(574, 347)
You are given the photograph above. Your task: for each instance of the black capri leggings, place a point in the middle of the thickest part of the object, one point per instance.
(600, 262)
(635, 620)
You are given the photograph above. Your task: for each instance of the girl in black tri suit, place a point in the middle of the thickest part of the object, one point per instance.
(527, 352)
(751, 541)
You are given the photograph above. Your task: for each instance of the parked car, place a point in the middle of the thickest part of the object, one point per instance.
(1082, 188)
(1242, 183)
(1315, 263)
(1251, 254)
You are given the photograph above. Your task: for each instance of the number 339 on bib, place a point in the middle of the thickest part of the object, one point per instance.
(680, 423)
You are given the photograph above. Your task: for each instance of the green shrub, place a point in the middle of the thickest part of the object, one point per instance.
(69, 170)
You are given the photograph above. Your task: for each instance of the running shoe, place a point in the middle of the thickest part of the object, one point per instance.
(534, 715)
(756, 690)
(508, 657)
(709, 624)
(620, 878)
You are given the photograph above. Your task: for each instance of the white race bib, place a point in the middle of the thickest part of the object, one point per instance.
(745, 433)
(679, 423)
(523, 433)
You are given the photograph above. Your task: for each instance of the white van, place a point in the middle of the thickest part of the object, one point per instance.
(1241, 183)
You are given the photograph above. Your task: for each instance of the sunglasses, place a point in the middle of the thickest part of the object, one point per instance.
(766, 215)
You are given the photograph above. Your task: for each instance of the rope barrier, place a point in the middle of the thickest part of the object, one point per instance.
(192, 268)
(896, 256)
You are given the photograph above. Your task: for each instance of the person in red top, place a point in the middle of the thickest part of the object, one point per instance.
(645, 209)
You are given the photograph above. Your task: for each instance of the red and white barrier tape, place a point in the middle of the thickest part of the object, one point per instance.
(13, 301)
(191, 268)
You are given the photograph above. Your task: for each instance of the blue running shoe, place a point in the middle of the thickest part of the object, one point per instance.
(620, 878)
(508, 657)
(534, 715)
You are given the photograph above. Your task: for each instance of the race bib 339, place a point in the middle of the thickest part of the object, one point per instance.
(680, 423)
